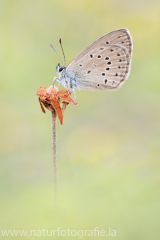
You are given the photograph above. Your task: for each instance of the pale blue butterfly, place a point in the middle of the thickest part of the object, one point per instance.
(103, 65)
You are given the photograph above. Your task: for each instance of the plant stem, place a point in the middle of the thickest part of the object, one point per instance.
(54, 152)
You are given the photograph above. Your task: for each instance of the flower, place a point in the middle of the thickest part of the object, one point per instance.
(51, 98)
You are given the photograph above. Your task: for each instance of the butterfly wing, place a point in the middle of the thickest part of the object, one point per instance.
(105, 64)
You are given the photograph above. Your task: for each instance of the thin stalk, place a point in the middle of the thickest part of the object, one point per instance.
(54, 152)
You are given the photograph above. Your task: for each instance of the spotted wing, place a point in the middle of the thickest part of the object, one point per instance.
(105, 64)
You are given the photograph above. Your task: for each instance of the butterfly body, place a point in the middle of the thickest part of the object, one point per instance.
(68, 79)
(103, 65)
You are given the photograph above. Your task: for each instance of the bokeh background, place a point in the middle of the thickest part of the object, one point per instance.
(108, 148)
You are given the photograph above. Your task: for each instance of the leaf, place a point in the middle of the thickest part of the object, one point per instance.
(65, 96)
(56, 105)
(64, 106)
(43, 110)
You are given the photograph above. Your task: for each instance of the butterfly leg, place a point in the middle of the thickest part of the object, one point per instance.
(68, 91)
(58, 85)
(67, 86)
(74, 95)
(56, 79)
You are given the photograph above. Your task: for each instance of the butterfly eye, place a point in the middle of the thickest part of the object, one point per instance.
(60, 70)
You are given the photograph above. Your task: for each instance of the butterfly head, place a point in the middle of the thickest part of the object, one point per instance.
(60, 69)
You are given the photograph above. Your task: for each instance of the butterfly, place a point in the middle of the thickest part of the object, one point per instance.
(103, 65)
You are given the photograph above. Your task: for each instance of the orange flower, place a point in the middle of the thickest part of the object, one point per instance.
(51, 98)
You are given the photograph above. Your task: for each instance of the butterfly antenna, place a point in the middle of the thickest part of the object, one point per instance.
(56, 52)
(62, 50)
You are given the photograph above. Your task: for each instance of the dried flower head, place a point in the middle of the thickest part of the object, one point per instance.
(51, 99)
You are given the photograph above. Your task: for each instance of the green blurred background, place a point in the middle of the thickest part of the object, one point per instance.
(108, 148)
